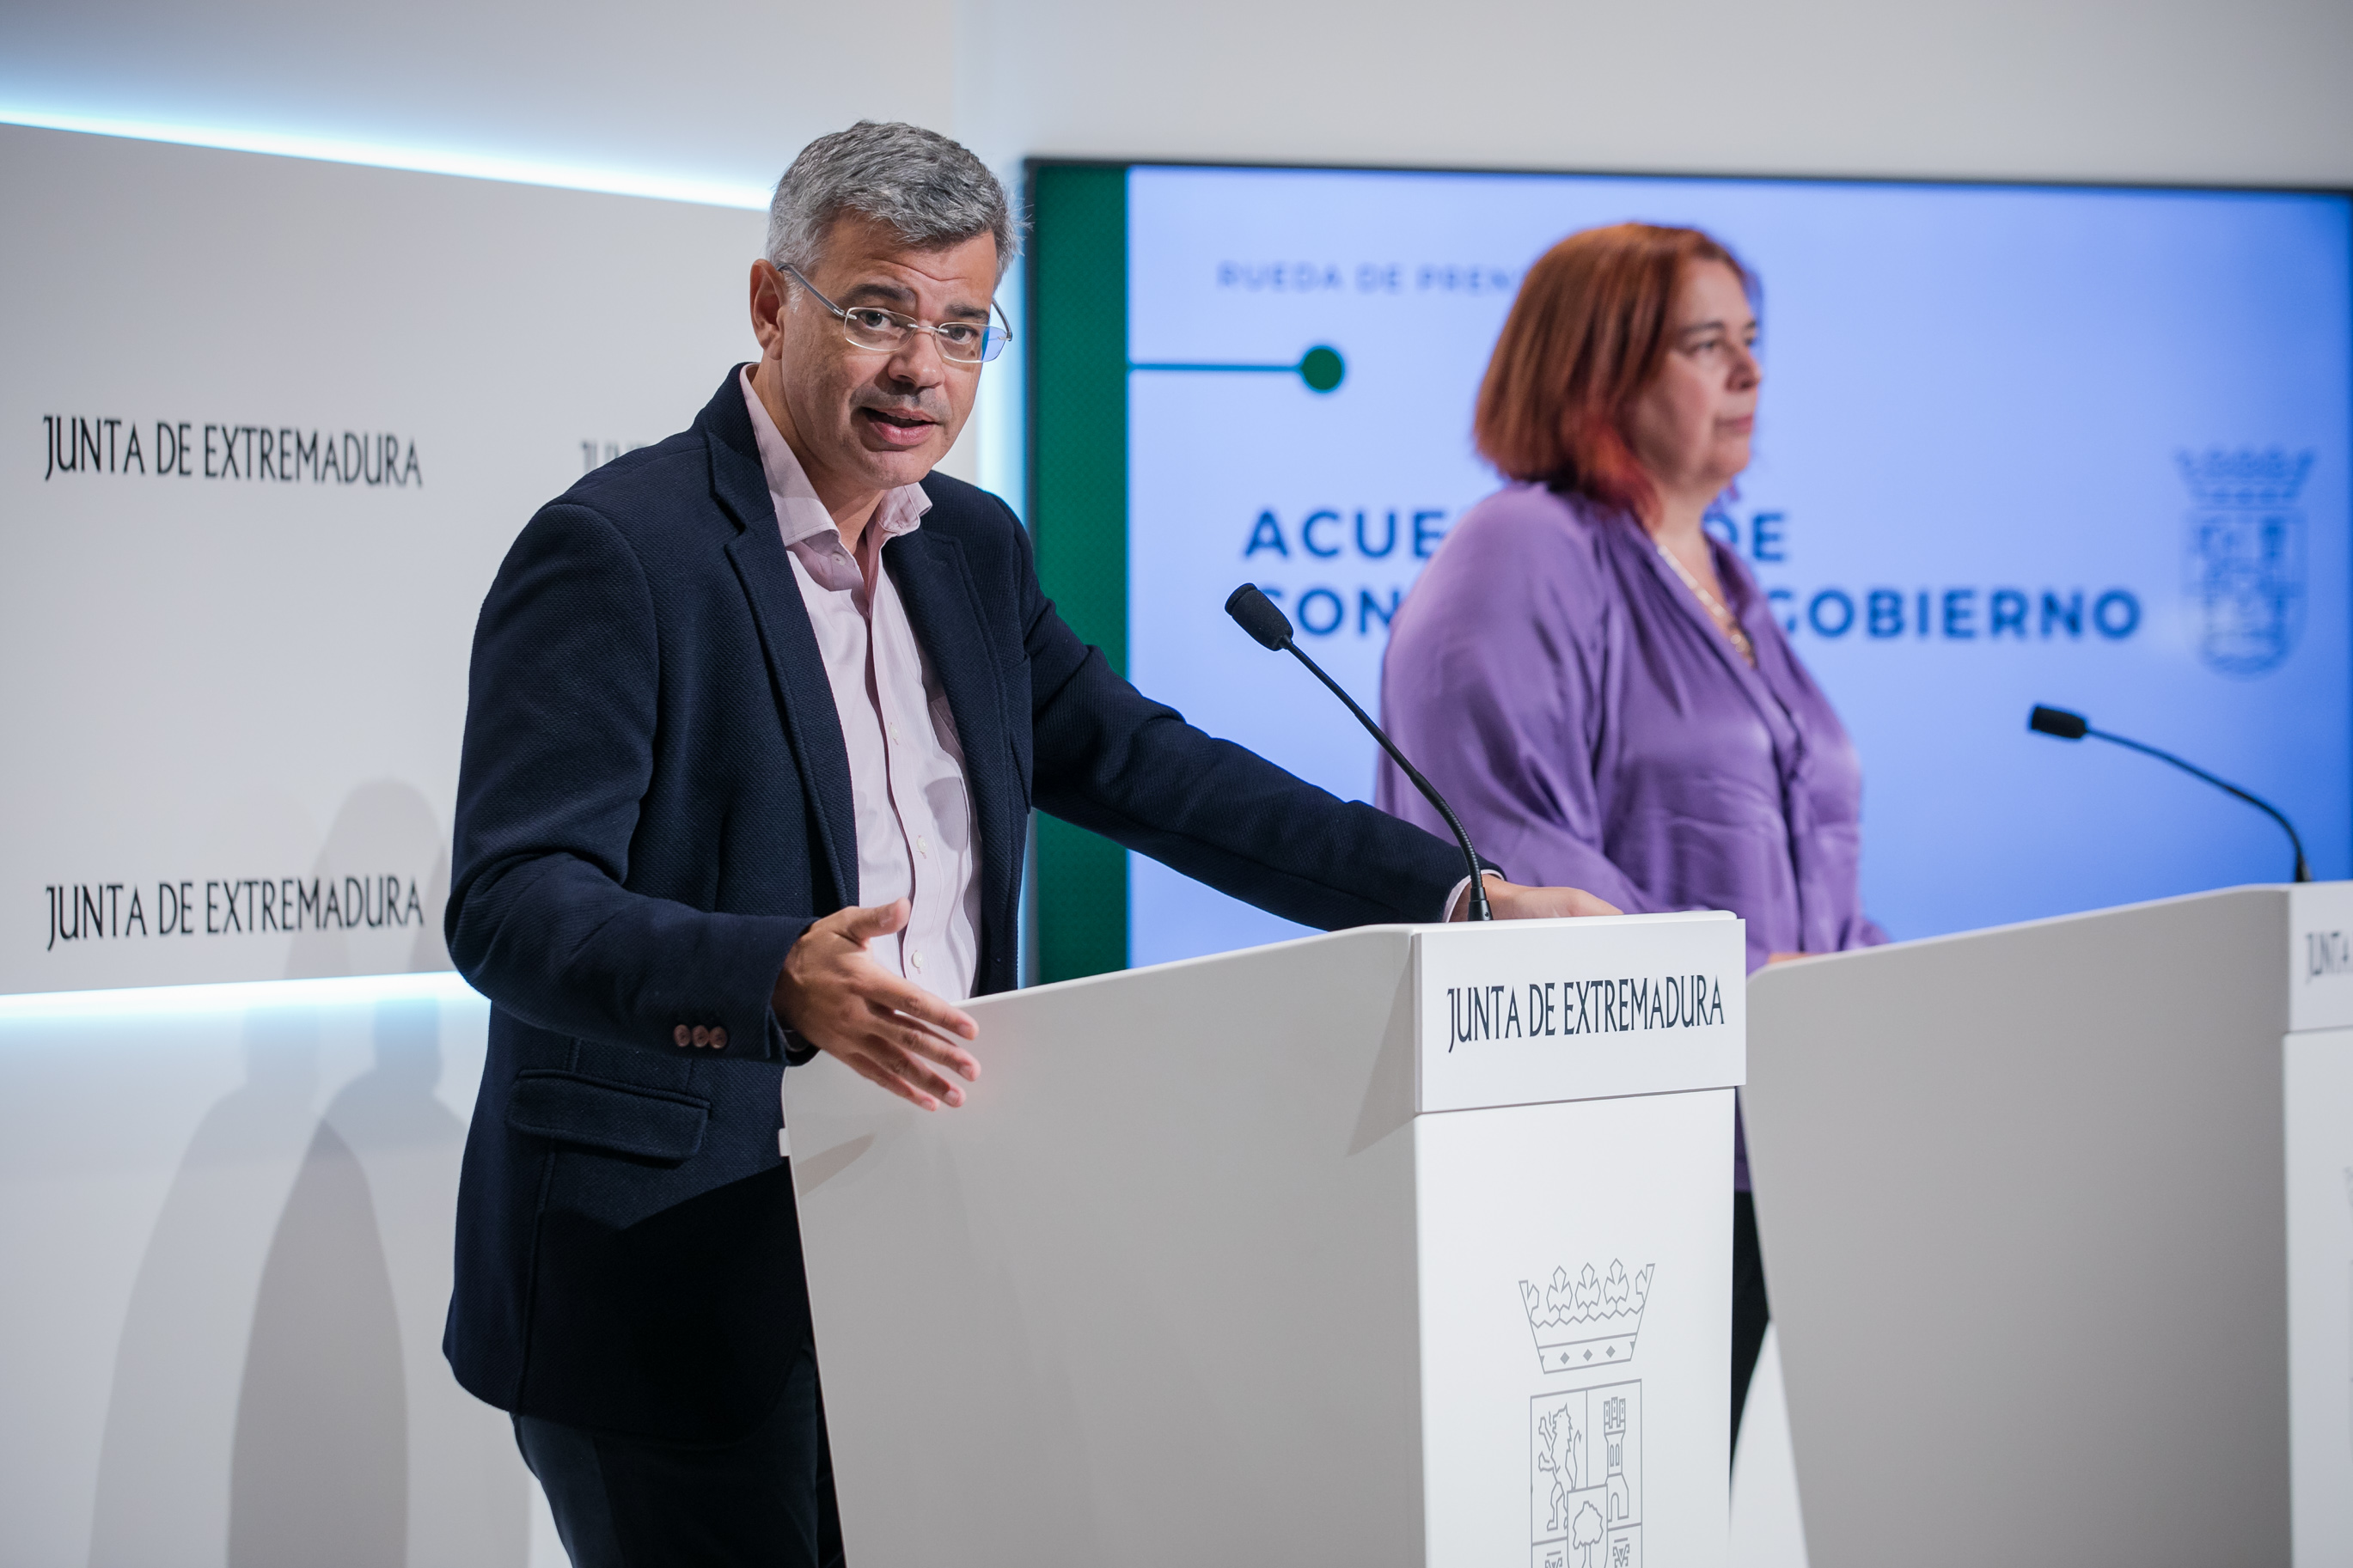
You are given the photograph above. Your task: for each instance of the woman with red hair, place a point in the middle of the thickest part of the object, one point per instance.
(1598, 686)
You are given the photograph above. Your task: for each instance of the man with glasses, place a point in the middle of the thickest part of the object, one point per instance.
(756, 718)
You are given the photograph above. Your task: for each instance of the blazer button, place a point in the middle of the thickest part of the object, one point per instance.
(718, 1039)
(702, 1036)
(682, 1036)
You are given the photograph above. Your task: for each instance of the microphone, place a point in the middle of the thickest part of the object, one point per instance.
(1265, 619)
(2066, 726)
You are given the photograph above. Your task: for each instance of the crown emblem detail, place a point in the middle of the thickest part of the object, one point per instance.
(2246, 479)
(1591, 1321)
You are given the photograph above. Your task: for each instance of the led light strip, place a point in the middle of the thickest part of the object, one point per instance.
(421, 160)
(238, 996)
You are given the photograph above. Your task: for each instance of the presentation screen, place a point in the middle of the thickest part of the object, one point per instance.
(2083, 446)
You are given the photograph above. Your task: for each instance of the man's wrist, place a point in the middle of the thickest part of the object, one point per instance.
(1455, 908)
(799, 1049)
(794, 1046)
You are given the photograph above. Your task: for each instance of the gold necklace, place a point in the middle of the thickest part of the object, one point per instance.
(1713, 606)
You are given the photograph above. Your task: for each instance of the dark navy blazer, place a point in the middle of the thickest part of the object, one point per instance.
(654, 802)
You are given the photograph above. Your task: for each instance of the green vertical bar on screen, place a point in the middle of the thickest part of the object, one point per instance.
(1078, 510)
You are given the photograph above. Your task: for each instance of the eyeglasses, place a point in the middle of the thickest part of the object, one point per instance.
(886, 331)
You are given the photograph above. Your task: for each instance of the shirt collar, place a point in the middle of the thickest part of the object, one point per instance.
(799, 514)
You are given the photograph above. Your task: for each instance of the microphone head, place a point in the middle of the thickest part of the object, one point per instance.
(1259, 615)
(2058, 721)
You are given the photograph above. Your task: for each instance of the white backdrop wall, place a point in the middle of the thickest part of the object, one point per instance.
(275, 422)
(227, 1234)
(718, 93)
(723, 89)
(2091, 90)
(227, 1209)
(705, 94)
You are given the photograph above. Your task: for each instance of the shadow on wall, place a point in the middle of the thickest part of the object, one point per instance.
(280, 1390)
(163, 1460)
(320, 1470)
(383, 828)
(469, 1495)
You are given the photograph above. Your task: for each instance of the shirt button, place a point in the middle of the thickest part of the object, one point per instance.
(682, 1035)
(895, 739)
(917, 959)
(923, 845)
(702, 1036)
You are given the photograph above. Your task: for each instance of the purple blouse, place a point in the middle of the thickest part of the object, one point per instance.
(1571, 699)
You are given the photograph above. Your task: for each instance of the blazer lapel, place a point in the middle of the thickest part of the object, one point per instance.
(943, 608)
(795, 664)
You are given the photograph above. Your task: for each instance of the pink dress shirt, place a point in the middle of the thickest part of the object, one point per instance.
(906, 768)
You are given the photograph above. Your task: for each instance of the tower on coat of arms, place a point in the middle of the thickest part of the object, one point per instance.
(1585, 1477)
(2245, 555)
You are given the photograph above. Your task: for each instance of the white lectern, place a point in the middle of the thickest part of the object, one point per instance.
(2057, 1220)
(1404, 1244)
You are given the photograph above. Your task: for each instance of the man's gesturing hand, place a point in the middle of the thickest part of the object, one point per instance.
(848, 1005)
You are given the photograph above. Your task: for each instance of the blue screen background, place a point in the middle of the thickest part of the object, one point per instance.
(2131, 401)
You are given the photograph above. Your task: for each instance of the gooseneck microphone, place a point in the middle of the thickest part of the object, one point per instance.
(2066, 726)
(1264, 620)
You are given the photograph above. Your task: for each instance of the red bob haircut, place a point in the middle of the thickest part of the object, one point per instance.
(1586, 337)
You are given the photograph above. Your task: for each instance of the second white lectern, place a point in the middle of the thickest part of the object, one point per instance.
(2055, 1219)
(1403, 1244)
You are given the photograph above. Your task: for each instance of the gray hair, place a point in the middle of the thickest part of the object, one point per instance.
(930, 190)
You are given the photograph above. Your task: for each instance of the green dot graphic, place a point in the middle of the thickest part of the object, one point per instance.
(1322, 368)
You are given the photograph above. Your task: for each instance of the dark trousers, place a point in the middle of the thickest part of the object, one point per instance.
(1750, 1312)
(632, 1502)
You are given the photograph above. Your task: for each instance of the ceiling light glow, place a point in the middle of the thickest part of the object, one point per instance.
(421, 160)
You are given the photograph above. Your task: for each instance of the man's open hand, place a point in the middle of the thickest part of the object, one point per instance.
(846, 1005)
(1510, 901)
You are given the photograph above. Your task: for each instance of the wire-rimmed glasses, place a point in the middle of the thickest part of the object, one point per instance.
(878, 331)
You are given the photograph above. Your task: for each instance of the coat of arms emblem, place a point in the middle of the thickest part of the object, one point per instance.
(2246, 555)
